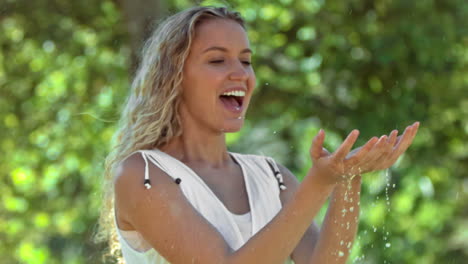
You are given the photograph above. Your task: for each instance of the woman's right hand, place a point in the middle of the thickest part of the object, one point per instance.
(335, 167)
(376, 154)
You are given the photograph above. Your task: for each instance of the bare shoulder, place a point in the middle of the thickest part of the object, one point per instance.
(129, 175)
(131, 195)
(129, 187)
(127, 169)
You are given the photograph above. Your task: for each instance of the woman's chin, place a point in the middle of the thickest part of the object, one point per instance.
(233, 126)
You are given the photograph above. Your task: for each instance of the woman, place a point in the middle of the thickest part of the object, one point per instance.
(181, 197)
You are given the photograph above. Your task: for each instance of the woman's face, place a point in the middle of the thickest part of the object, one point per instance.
(218, 79)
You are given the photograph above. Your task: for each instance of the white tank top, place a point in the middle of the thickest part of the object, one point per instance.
(263, 183)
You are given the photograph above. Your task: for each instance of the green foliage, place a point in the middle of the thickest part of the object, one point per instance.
(61, 77)
(372, 65)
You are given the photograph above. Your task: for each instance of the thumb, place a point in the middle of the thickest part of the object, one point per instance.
(317, 145)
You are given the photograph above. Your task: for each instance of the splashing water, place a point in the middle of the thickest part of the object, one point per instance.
(386, 233)
(387, 202)
(387, 186)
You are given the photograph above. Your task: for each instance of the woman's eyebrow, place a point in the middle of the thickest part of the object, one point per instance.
(247, 50)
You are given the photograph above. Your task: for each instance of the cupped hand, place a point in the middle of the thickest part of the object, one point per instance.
(376, 154)
(387, 151)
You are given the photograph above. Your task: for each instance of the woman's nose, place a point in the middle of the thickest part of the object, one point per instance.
(239, 72)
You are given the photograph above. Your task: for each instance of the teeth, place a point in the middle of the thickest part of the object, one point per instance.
(235, 93)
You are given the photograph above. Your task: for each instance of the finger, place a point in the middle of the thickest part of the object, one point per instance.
(368, 162)
(317, 145)
(405, 141)
(387, 161)
(398, 140)
(383, 160)
(362, 151)
(411, 136)
(402, 138)
(407, 138)
(353, 152)
(346, 146)
(392, 138)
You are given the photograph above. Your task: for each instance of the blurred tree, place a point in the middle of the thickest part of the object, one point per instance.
(140, 15)
(377, 65)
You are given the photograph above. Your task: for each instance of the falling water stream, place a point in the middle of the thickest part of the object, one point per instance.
(386, 233)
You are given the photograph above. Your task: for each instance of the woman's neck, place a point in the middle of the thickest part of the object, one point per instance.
(199, 148)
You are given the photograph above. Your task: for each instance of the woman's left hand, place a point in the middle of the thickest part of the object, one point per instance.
(393, 148)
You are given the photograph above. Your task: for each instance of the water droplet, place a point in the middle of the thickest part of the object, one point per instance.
(267, 84)
(388, 245)
(340, 254)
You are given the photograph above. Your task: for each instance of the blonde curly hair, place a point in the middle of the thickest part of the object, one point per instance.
(150, 116)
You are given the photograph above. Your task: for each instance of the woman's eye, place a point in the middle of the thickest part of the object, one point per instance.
(247, 62)
(217, 61)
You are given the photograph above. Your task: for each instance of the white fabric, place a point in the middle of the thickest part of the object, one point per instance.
(262, 190)
(244, 222)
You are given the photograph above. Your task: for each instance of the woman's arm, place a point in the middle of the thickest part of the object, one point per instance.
(166, 219)
(332, 244)
(341, 221)
(179, 233)
(338, 229)
(340, 224)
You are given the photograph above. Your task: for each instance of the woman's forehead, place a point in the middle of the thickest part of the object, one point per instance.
(220, 33)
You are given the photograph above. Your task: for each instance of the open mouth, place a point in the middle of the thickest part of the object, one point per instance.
(232, 101)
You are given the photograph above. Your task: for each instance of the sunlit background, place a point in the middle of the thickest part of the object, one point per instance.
(65, 68)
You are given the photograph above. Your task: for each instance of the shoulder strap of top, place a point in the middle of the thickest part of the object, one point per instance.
(276, 172)
(157, 163)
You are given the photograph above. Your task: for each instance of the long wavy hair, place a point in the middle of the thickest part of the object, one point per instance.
(150, 115)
